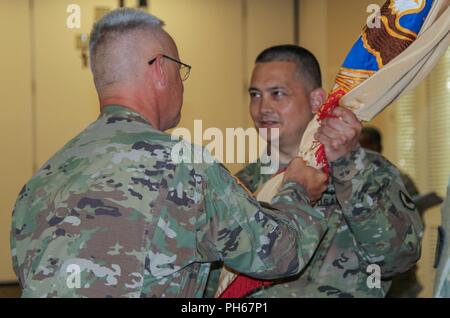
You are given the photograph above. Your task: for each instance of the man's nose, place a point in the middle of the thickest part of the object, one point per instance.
(266, 106)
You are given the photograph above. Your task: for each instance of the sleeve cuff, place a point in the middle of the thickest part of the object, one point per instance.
(347, 167)
(295, 190)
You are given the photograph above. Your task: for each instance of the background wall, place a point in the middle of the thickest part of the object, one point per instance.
(15, 118)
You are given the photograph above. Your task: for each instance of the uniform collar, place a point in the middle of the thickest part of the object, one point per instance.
(123, 111)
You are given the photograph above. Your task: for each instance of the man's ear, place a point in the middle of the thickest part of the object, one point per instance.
(159, 72)
(317, 97)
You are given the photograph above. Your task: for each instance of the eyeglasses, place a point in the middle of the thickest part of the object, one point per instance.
(185, 69)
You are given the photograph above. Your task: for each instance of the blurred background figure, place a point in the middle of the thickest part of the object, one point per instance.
(371, 139)
(442, 283)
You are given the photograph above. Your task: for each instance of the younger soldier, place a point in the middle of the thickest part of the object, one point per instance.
(374, 229)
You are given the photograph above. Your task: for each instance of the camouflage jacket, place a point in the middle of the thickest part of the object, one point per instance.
(371, 220)
(112, 215)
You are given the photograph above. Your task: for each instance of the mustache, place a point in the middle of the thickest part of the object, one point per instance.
(269, 119)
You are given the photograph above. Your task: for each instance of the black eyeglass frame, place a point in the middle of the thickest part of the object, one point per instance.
(173, 60)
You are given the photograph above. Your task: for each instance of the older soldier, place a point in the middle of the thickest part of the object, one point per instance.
(370, 216)
(112, 215)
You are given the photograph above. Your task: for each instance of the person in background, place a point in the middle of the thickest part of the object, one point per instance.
(371, 139)
(442, 282)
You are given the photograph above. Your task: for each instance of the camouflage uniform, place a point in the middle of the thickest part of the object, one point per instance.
(442, 284)
(114, 209)
(371, 220)
(407, 284)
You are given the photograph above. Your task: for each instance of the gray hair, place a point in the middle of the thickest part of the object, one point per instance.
(121, 20)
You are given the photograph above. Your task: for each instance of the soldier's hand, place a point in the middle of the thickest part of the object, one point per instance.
(339, 135)
(313, 180)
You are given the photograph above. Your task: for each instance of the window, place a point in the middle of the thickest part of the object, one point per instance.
(422, 125)
(407, 147)
(438, 96)
(422, 146)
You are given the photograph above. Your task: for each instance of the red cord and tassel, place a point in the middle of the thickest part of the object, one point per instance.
(325, 112)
